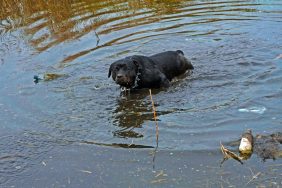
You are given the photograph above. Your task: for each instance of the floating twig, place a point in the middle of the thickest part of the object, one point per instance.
(97, 37)
(254, 177)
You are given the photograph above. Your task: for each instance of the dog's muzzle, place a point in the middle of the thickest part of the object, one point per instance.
(123, 80)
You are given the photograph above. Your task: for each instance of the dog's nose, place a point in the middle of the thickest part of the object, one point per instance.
(119, 76)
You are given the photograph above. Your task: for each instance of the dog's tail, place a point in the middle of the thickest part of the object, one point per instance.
(179, 52)
(188, 64)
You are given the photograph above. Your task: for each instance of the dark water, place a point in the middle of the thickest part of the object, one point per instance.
(52, 132)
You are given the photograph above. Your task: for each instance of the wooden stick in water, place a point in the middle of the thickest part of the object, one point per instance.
(157, 128)
(155, 118)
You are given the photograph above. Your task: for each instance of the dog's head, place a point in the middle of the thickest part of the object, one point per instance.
(124, 71)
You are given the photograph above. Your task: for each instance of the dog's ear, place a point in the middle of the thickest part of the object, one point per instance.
(136, 60)
(110, 71)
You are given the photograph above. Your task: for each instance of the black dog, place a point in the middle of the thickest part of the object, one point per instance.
(135, 72)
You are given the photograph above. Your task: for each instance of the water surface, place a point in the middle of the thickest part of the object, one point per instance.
(233, 45)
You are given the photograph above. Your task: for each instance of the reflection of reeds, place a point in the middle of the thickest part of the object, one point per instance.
(51, 22)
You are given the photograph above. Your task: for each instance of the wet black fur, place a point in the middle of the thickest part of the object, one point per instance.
(153, 72)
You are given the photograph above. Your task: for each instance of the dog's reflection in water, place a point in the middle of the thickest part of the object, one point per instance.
(131, 112)
(133, 109)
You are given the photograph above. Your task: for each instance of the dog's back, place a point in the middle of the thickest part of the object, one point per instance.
(172, 63)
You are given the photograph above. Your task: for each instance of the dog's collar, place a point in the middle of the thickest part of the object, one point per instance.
(137, 78)
(138, 74)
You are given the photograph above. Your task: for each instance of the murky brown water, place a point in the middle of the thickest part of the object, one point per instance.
(77, 129)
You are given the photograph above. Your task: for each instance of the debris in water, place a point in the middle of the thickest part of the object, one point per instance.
(86, 171)
(227, 154)
(264, 146)
(161, 180)
(52, 76)
(37, 78)
(245, 148)
(278, 57)
(257, 110)
(254, 177)
(246, 143)
(47, 77)
(44, 164)
(161, 173)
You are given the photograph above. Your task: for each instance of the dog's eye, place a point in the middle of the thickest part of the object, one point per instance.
(117, 68)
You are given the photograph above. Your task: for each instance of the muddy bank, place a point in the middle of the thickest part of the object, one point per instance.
(94, 166)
